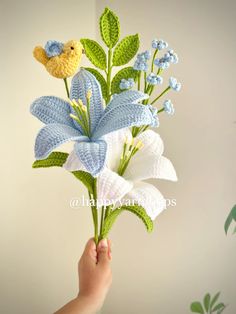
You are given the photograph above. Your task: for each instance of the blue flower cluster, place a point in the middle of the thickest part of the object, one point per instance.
(53, 48)
(168, 107)
(127, 84)
(141, 61)
(159, 44)
(164, 62)
(174, 84)
(154, 79)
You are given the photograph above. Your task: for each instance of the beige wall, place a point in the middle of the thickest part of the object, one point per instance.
(42, 237)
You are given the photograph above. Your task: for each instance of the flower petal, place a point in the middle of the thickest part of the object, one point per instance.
(50, 109)
(152, 143)
(115, 143)
(123, 116)
(82, 82)
(150, 166)
(111, 187)
(92, 155)
(73, 163)
(127, 97)
(52, 136)
(147, 196)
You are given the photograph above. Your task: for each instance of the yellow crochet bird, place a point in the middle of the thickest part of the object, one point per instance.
(60, 60)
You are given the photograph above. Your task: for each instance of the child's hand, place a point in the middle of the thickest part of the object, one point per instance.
(95, 275)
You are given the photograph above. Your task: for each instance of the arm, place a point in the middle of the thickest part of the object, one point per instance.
(94, 279)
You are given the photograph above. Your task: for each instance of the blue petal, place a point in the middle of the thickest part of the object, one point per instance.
(92, 155)
(130, 96)
(52, 136)
(81, 83)
(123, 116)
(50, 109)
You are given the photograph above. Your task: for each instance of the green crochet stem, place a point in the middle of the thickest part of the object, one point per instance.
(109, 68)
(166, 90)
(101, 223)
(67, 88)
(93, 201)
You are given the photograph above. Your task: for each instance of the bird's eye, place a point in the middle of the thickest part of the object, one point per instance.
(72, 48)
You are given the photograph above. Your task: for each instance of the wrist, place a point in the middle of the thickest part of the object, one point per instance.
(89, 302)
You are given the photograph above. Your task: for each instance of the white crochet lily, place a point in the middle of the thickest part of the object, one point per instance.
(147, 163)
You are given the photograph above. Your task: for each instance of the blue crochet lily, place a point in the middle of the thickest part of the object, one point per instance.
(84, 120)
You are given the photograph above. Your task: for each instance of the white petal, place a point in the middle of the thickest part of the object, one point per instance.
(152, 143)
(115, 143)
(73, 163)
(150, 166)
(147, 196)
(111, 187)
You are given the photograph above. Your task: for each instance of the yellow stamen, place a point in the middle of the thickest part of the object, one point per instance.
(80, 103)
(139, 145)
(89, 94)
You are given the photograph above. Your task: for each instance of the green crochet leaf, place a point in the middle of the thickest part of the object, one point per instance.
(55, 159)
(86, 178)
(100, 79)
(206, 302)
(126, 50)
(125, 73)
(137, 210)
(230, 218)
(95, 53)
(109, 28)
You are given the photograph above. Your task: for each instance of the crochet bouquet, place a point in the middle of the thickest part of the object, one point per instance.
(108, 117)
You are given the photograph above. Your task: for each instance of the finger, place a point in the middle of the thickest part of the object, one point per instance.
(90, 250)
(102, 250)
(109, 248)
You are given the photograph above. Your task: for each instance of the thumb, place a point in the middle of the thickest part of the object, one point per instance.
(103, 252)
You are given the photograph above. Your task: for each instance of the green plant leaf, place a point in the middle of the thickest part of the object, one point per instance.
(126, 50)
(196, 307)
(55, 159)
(109, 28)
(100, 79)
(125, 73)
(206, 301)
(137, 210)
(213, 301)
(218, 307)
(86, 178)
(230, 218)
(95, 53)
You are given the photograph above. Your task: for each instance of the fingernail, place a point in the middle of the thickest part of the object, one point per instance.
(103, 243)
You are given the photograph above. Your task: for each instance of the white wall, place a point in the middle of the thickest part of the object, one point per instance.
(42, 238)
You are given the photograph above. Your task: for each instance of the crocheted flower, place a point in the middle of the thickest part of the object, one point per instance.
(154, 79)
(162, 63)
(159, 44)
(127, 84)
(174, 84)
(168, 107)
(147, 163)
(141, 61)
(171, 56)
(53, 48)
(85, 121)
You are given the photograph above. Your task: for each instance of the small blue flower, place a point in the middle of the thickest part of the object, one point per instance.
(127, 84)
(53, 48)
(154, 79)
(141, 61)
(162, 63)
(171, 56)
(159, 44)
(174, 84)
(147, 54)
(168, 107)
